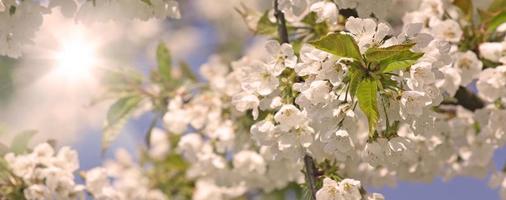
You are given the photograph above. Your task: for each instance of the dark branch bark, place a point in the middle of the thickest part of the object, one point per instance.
(309, 165)
(468, 99)
(310, 175)
(465, 98)
(281, 22)
(348, 12)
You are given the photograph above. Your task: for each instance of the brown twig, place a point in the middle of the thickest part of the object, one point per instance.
(468, 99)
(311, 174)
(281, 22)
(310, 168)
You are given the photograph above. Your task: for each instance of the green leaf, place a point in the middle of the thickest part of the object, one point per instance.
(117, 117)
(497, 5)
(339, 44)
(495, 21)
(121, 81)
(164, 62)
(3, 129)
(274, 195)
(392, 129)
(7, 76)
(377, 54)
(3, 164)
(20, 142)
(265, 26)
(466, 6)
(111, 132)
(367, 100)
(319, 29)
(404, 56)
(121, 108)
(356, 76)
(150, 130)
(4, 169)
(12, 10)
(297, 45)
(484, 15)
(310, 19)
(187, 71)
(387, 82)
(176, 162)
(398, 65)
(3, 150)
(407, 55)
(147, 2)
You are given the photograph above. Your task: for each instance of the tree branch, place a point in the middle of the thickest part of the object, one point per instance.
(281, 22)
(465, 98)
(310, 175)
(348, 13)
(309, 165)
(468, 99)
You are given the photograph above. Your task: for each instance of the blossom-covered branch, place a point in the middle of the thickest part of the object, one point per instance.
(348, 98)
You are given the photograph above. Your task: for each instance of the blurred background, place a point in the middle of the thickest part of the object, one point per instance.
(55, 94)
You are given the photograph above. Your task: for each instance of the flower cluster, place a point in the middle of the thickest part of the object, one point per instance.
(378, 110)
(128, 180)
(120, 10)
(46, 174)
(303, 100)
(498, 180)
(20, 23)
(214, 129)
(350, 101)
(345, 189)
(21, 19)
(296, 8)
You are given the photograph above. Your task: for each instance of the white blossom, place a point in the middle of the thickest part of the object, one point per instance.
(434, 7)
(447, 30)
(249, 162)
(375, 152)
(263, 132)
(37, 192)
(45, 174)
(348, 189)
(67, 7)
(313, 61)
(160, 144)
(326, 11)
(422, 73)
(366, 31)
(259, 78)
(329, 190)
(413, 103)
(375, 196)
(318, 92)
(119, 10)
(289, 116)
(491, 82)
(492, 51)
(468, 65)
(294, 7)
(279, 56)
(120, 179)
(176, 118)
(2, 6)
(244, 101)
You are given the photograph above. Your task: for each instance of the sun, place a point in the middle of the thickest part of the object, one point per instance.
(76, 58)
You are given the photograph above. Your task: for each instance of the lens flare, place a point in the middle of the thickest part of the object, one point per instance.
(75, 59)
